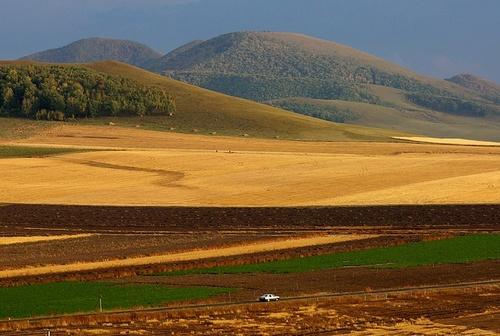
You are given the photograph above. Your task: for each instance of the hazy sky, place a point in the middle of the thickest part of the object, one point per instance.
(437, 37)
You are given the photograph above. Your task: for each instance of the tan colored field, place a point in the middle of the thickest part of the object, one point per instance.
(187, 177)
(34, 239)
(162, 168)
(450, 141)
(115, 137)
(186, 256)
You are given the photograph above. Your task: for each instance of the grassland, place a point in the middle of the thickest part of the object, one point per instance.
(454, 250)
(270, 66)
(399, 114)
(72, 297)
(13, 129)
(30, 152)
(204, 111)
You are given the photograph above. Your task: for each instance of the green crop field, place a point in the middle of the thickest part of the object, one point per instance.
(72, 297)
(461, 249)
(22, 151)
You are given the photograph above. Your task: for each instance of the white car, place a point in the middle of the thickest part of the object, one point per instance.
(268, 298)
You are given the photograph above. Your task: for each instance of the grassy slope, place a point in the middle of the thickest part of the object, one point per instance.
(284, 55)
(287, 51)
(12, 129)
(405, 117)
(205, 112)
(73, 297)
(208, 111)
(455, 250)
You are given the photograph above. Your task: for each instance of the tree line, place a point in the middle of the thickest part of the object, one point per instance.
(56, 92)
(450, 105)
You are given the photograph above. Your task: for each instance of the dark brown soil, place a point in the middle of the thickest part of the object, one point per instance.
(113, 246)
(103, 218)
(125, 272)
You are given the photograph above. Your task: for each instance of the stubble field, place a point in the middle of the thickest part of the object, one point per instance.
(206, 171)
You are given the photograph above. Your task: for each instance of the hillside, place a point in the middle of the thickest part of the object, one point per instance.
(411, 119)
(268, 66)
(292, 65)
(206, 112)
(98, 49)
(281, 68)
(485, 88)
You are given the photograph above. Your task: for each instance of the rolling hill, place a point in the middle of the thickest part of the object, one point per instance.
(310, 76)
(205, 112)
(98, 49)
(275, 67)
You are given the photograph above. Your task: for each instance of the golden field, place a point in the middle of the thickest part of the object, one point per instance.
(160, 168)
(34, 239)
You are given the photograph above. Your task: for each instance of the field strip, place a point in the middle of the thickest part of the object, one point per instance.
(308, 298)
(54, 145)
(185, 256)
(449, 141)
(34, 239)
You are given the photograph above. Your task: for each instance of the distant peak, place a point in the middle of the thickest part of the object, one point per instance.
(95, 49)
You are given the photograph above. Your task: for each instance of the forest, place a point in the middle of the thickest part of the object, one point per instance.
(450, 105)
(57, 92)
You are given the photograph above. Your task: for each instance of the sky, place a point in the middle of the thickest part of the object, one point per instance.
(435, 37)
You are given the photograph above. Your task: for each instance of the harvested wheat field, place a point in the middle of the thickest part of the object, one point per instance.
(450, 141)
(116, 137)
(238, 178)
(35, 239)
(165, 168)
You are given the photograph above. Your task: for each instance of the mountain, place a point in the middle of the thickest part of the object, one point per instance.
(196, 110)
(318, 78)
(98, 49)
(488, 89)
(278, 68)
